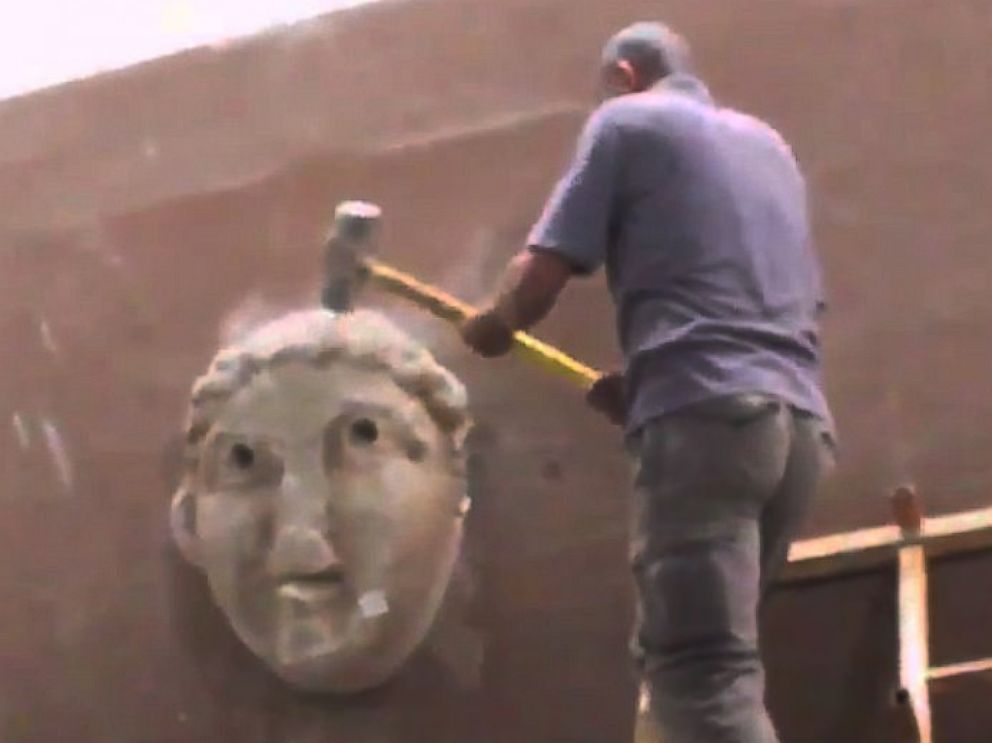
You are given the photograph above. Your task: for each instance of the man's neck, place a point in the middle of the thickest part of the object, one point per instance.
(684, 83)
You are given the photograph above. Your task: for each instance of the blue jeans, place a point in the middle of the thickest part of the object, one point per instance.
(721, 490)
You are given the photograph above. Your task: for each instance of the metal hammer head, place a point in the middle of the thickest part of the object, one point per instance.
(351, 239)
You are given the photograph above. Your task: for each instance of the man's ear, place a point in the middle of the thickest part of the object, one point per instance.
(182, 519)
(629, 74)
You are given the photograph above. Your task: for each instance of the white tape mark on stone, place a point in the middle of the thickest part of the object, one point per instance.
(21, 430)
(373, 604)
(47, 338)
(60, 456)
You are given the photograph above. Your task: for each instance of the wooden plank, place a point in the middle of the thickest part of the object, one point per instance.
(914, 630)
(960, 669)
(914, 651)
(908, 510)
(842, 553)
(645, 728)
(865, 549)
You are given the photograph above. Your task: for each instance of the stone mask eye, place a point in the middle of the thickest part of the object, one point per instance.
(242, 457)
(369, 433)
(364, 432)
(242, 465)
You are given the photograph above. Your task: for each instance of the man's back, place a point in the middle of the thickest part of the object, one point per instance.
(710, 259)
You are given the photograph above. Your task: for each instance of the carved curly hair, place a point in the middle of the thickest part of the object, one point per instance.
(364, 339)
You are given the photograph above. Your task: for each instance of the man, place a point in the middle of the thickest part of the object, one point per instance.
(699, 215)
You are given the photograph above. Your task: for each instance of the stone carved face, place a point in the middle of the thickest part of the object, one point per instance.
(324, 494)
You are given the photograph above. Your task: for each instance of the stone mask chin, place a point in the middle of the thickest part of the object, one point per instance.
(325, 503)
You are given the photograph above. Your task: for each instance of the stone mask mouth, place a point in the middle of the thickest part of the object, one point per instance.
(332, 574)
(331, 582)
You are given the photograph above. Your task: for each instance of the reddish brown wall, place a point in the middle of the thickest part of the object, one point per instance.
(135, 262)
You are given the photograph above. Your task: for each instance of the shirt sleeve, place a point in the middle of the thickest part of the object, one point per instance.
(576, 220)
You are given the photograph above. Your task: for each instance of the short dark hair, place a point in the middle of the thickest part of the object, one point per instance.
(652, 49)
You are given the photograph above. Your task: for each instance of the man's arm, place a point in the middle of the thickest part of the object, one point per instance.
(530, 287)
(528, 290)
(570, 238)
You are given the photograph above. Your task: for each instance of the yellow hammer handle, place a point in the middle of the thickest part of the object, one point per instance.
(443, 305)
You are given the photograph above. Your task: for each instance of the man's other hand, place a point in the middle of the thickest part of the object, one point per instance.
(487, 335)
(606, 396)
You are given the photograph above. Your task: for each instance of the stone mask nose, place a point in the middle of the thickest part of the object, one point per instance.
(301, 552)
(301, 546)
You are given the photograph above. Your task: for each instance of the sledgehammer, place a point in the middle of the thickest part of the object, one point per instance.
(349, 263)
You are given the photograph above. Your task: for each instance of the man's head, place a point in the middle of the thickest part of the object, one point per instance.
(639, 56)
(324, 493)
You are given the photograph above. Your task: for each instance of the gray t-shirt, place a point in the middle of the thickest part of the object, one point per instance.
(699, 214)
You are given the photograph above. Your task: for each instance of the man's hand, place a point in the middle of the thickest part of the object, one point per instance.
(606, 396)
(530, 285)
(487, 335)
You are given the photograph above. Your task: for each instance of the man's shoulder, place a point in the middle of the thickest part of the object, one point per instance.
(759, 128)
(633, 111)
(612, 112)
